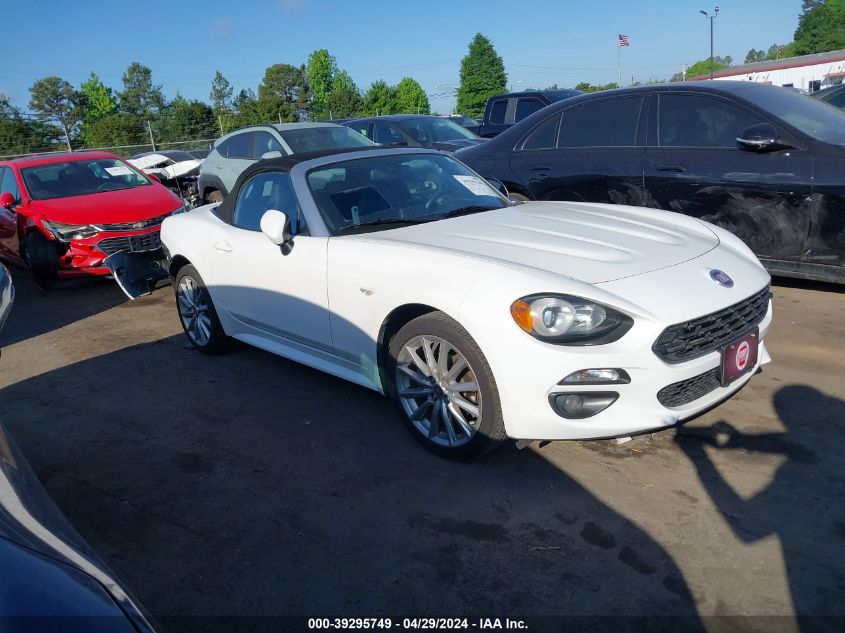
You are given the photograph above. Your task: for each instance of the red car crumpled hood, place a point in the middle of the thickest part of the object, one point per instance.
(109, 207)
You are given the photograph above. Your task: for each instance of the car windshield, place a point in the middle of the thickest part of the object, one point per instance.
(80, 178)
(812, 117)
(435, 130)
(389, 191)
(315, 139)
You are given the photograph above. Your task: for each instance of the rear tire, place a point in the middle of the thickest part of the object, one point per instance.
(444, 388)
(214, 197)
(197, 314)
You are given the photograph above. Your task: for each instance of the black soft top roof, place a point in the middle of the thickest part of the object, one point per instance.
(284, 163)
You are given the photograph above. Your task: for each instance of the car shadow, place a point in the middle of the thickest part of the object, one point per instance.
(231, 491)
(38, 310)
(810, 527)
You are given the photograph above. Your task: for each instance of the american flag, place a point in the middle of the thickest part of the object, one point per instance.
(623, 40)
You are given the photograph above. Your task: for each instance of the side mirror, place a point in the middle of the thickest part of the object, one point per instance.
(499, 186)
(762, 137)
(7, 200)
(271, 154)
(276, 226)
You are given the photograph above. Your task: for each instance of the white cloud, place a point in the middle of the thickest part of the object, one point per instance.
(221, 27)
(291, 7)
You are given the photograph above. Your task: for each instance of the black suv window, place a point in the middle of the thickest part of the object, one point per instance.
(269, 190)
(266, 142)
(544, 135)
(607, 123)
(699, 121)
(498, 111)
(838, 100)
(385, 134)
(240, 145)
(526, 106)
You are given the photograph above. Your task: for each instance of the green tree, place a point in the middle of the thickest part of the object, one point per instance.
(344, 99)
(19, 135)
(221, 94)
(116, 129)
(140, 96)
(482, 76)
(184, 120)
(99, 99)
(821, 27)
(779, 51)
(245, 104)
(754, 56)
(55, 99)
(585, 86)
(380, 99)
(283, 93)
(701, 68)
(321, 71)
(411, 98)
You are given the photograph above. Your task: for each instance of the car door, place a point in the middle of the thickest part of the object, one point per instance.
(9, 244)
(239, 155)
(270, 295)
(694, 166)
(264, 142)
(592, 152)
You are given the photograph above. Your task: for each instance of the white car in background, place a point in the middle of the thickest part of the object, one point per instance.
(405, 272)
(237, 150)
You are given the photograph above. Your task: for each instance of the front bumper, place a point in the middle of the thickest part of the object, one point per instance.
(134, 258)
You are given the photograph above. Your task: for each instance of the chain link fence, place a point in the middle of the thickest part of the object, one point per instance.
(197, 148)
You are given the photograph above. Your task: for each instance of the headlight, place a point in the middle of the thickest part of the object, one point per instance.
(66, 232)
(568, 320)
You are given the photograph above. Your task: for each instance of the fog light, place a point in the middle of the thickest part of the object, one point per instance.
(577, 406)
(597, 377)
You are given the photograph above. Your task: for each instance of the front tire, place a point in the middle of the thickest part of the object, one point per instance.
(444, 388)
(41, 257)
(196, 312)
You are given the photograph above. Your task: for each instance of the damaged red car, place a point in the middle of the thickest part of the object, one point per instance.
(84, 213)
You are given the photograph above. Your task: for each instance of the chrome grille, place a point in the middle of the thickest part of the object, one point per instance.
(133, 226)
(680, 393)
(131, 243)
(684, 341)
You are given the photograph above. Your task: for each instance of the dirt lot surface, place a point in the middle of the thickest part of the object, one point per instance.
(247, 485)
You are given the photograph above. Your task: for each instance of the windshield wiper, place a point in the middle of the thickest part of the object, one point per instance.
(381, 222)
(463, 211)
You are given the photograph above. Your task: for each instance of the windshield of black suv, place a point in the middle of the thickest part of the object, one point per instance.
(815, 119)
(314, 139)
(435, 130)
(383, 192)
(80, 178)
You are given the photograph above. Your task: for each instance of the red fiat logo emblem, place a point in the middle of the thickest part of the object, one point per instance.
(742, 355)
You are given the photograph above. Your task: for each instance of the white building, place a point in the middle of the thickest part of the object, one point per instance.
(807, 72)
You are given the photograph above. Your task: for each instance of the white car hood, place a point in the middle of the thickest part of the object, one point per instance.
(593, 243)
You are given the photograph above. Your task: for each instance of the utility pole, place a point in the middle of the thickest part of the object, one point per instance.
(683, 71)
(711, 18)
(152, 140)
(220, 121)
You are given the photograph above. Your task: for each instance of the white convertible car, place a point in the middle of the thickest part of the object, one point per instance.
(404, 271)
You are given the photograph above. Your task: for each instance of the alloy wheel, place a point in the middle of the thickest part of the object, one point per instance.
(192, 302)
(438, 391)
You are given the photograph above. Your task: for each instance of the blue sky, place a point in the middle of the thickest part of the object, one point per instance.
(541, 41)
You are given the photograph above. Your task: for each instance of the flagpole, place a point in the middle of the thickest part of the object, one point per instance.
(619, 46)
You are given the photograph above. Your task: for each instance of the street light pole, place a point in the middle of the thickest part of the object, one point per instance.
(711, 18)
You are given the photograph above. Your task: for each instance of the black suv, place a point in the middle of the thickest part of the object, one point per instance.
(502, 111)
(762, 161)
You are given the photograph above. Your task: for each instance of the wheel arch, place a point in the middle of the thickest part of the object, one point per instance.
(393, 322)
(176, 264)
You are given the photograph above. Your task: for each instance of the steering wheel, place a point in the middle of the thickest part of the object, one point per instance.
(435, 201)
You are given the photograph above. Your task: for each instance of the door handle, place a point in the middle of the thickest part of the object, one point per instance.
(222, 245)
(219, 166)
(541, 168)
(675, 168)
